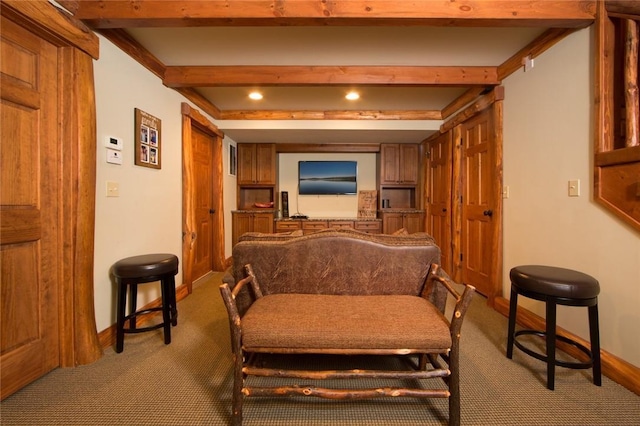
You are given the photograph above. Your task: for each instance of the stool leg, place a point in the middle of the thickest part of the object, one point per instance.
(174, 303)
(594, 336)
(166, 309)
(133, 304)
(551, 344)
(513, 306)
(122, 301)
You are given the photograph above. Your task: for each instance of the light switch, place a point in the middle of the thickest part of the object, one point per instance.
(113, 189)
(574, 188)
(505, 191)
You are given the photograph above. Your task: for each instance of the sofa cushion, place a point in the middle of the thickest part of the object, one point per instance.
(324, 322)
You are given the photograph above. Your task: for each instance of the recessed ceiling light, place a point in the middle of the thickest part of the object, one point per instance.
(352, 96)
(256, 96)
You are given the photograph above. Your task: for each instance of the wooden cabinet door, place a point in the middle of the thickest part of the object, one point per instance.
(29, 208)
(389, 163)
(263, 222)
(408, 164)
(438, 195)
(479, 202)
(391, 222)
(242, 222)
(265, 164)
(413, 222)
(256, 164)
(246, 163)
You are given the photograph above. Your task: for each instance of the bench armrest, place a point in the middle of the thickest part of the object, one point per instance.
(437, 276)
(229, 297)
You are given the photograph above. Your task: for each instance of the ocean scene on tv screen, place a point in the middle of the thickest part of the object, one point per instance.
(327, 177)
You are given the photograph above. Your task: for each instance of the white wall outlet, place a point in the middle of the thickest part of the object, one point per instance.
(574, 188)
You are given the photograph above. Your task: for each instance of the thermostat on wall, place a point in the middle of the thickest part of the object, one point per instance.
(113, 142)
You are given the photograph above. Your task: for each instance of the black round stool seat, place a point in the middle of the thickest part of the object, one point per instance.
(147, 268)
(555, 282)
(555, 286)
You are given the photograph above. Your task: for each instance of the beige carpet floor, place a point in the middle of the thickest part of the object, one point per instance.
(189, 383)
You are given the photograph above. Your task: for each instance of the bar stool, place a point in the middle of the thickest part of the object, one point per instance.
(556, 286)
(147, 268)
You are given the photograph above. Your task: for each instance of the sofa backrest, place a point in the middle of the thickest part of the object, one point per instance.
(339, 262)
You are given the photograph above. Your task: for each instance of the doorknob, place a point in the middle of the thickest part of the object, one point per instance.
(488, 213)
(444, 210)
(212, 211)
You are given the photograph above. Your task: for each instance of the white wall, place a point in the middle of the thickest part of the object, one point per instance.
(343, 206)
(147, 216)
(548, 140)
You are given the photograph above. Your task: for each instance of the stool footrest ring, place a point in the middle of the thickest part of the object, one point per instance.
(543, 357)
(132, 317)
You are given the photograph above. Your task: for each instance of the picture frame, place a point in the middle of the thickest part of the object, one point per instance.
(233, 160)
(147, 137)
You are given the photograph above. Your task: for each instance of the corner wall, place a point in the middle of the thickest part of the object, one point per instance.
(548, 140)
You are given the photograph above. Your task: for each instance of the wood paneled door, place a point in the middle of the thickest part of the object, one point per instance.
(203, 224)
(481, 186)
(438, 195)
(30, 209)
(47, 193)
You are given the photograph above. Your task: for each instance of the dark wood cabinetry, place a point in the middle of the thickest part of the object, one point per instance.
(256, 164)
(257, 175)
(411, 221)
(398, 164)
(251, 222)
(311, 225)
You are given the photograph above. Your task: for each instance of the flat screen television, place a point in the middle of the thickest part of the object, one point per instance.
(327, 177)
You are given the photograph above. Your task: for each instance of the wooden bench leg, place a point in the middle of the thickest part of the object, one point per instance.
(238, 383)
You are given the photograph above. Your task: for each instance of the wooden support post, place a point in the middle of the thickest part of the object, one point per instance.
(631, 82)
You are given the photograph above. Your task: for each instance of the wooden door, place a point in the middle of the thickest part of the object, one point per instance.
(203, 231)
(438, 196)
(479, 178)
(202, 144)
(30, 209)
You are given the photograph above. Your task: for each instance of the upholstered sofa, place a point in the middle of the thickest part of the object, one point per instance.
(343, 292)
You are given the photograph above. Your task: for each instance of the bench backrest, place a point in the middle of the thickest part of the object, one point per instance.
(339, 262)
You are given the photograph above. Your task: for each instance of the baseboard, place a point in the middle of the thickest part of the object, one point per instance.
(618, 370)
(107, 337)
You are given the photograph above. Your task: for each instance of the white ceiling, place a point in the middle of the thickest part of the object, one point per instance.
(340, 46)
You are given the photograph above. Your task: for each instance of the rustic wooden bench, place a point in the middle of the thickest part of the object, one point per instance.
(342, 293)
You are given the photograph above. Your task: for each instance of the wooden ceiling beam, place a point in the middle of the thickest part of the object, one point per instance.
(210, 76)
(329, 115)
(489, 13)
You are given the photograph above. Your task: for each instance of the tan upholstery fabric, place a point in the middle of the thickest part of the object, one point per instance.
(310, 321)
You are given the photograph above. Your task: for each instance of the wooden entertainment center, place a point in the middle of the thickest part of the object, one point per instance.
(397, 181)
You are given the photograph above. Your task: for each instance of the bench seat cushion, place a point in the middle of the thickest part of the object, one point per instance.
(305, 322)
